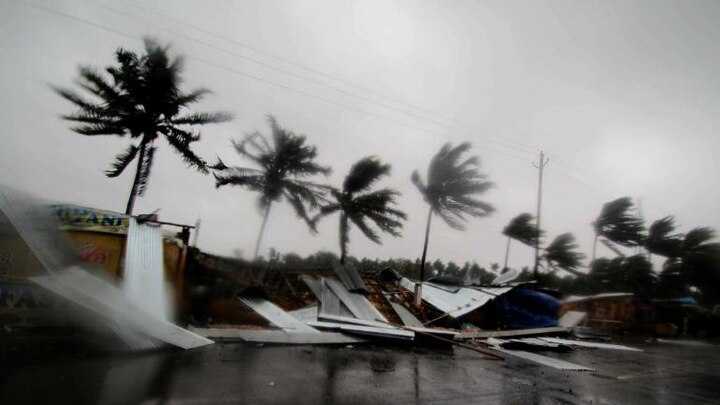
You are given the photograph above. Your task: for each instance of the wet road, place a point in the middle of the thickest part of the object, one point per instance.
(244, 373)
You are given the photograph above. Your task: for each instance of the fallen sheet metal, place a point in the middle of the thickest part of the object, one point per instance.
(458, 303)
(309, 313)
(277, 336)
(349, 276)
(407, 317)
(479, 334)
(104, 299)
(276, 315)
(545, 360)
(533, 344)
(383, 332)
(356, 303)
(330, 303)
(595, 345)
(315, 286)
(572, 318)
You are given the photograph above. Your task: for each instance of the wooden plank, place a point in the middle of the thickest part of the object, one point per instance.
(514, 332)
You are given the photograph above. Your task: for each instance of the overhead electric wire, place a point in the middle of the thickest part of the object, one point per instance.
(579, 171)
(491, 138)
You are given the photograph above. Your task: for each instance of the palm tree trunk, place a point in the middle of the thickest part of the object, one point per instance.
(136, 181)
(507, 253)
(343, 237)
(262, 230)
(594, 249)
(427, 237)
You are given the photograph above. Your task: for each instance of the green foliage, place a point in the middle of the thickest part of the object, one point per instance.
(563, 253)
(618, 224)
(662, 238)
(523, 229)
(452, 185)
(359, 206)
(139, 97)
(281, 166)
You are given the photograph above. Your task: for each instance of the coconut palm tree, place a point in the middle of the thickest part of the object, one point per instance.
(618, 224)
(562, 253)
(662, 238)
(140, 97)
(358, 205)
(523, 229)
(282, 165)
(451, 189)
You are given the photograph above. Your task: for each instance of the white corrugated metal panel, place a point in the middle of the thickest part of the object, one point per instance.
(365, 330)
(358, 305)
(144, 278)
(407, 317)
(545, 360)
(276, 315)
(458, 303)
(589, 344)
(279, 336)
(309, 313)
(102, 298)
(330, 303)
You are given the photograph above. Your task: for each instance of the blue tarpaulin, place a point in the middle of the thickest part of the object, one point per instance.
(524, 309)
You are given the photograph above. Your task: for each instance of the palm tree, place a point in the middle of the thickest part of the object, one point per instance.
(452, 184)
(662, 238)
(522, 229)
(618, 224)
(562, 253)
(358, 205)
(283, 163)
(140, 97)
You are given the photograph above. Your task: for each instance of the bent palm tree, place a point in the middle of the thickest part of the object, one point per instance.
(562, 253)
(357, 205)
(141, 99)
(618, 224)
(452, 184)
(662, 238)
(282, 165)
(522, 229)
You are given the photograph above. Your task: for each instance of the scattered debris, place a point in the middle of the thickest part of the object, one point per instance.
(572, 318)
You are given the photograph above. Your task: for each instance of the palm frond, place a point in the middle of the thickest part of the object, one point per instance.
(122, 161)
(180, 141)
(523, 229)
(364, 173)
(201, 118)
(618, 224)
(562, 252)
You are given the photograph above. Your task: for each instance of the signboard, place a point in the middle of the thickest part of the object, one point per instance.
(75, 218)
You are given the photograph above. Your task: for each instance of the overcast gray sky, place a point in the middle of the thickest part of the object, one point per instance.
(622, 95)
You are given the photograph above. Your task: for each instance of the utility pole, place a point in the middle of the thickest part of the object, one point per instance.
(540, 166)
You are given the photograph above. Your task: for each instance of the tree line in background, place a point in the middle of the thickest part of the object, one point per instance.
(139, 97)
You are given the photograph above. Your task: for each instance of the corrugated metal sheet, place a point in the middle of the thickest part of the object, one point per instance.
(309, 313)
(458, 303)
(407, 317)
(315, 286)
(104, 299)
(278, 336)
(330, 303)
(545, 360)
(356, 303)
(348, 274)
(276, 315)
(594, 345)
(366, 330)
(144, 278)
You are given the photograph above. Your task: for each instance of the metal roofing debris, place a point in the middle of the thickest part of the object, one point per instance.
(545, 360)
(458, 303)
(308, 313)
(356, 303)
(277, 336)
(144, 280)
(348, 274)
(100, 297)
(506, 277)
(365, 330)
(315, 286)
(532, 344)
(578, 298)
(572, 318)
(589, 344)
(515, 332)
(330, 303)
(407, 317)
(276, 315)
